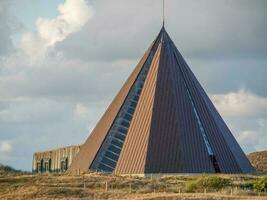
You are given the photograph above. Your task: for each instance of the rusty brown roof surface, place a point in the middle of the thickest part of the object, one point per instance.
(133, 155)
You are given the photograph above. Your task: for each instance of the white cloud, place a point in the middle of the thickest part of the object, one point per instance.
(254, 139)
(247, 137)
(73, 16)
(246, 114)
(5, 148)
(240, 104)
(81, 111)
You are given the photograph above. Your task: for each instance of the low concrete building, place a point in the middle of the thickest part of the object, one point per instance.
(57, 160)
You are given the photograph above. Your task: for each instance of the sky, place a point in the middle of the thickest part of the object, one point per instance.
(63, 61)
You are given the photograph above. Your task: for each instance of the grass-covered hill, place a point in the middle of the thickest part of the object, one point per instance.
(259, 160)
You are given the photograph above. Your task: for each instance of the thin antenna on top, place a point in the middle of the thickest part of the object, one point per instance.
(163, 12)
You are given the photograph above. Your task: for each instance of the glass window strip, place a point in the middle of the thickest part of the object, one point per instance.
(110, 159)
(202, 130)
(119, 130)
(111, 168)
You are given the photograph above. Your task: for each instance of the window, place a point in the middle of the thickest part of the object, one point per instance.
(140, 85)
(116, 143)
(64, 164)
(131, 111)
(39, 167)
(114, 149)
(47, 165)
(127, 117)
(133, 104)
(136, 98)
(122, 130)
(111, 155)
(104, 168)
(120, 137)
(108, 162)
(125, 124)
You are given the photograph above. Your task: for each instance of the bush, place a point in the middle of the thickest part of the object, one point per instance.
(261, 184)
(208, 183)
(5, 168)
(246, 186)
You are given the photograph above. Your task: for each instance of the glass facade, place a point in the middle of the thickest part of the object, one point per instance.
(108, 155)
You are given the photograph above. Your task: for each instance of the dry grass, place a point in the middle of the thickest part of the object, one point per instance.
(99, 186)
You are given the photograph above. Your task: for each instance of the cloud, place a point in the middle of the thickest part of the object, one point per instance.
(73, 15)
(254, 139)
(246, 116)
(5, 148)
(247, 137)
(241, 104)
(7, 27)
(53, 102)
(31, 110)
(204, 29)
(81, 111)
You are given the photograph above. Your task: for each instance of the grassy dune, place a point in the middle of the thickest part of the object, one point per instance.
(100, 186)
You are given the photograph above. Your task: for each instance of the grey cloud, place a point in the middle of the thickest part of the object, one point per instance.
(223, 76)
(9, 25)
(65, 79)
(38, 124)
(220, 29)
(201, 29)
(5, 30)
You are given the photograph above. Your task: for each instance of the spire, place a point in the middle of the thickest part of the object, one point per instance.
(163, 13)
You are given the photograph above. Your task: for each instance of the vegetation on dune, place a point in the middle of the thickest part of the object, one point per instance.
(102, 186)
(5, 169)
(208, 183)
(261, 184)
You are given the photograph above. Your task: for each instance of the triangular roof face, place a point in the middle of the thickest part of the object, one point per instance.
(161, 121)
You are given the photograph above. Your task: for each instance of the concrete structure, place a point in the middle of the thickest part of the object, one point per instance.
(161, 121)
(57, 160)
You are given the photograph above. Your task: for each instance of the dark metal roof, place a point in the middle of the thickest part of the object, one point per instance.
(172, 127)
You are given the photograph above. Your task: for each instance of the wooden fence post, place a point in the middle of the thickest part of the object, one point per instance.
(130, 188)
(106, 186)
(84, 186)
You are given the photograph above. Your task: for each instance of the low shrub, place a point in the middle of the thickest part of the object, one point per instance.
(246, 185)
(208, 183)
(261, 184)
(4, 169)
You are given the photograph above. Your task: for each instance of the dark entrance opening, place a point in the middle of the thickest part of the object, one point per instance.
(215, 164)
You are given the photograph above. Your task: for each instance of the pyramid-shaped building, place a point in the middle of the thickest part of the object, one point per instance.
(161, 121)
